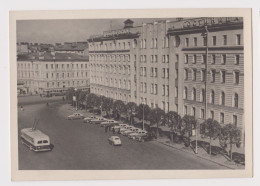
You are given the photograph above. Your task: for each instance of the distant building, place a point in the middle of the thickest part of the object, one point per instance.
(22, 48)
(80, 48)
(47, 73)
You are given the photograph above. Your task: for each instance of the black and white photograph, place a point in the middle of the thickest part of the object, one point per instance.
(132, 93)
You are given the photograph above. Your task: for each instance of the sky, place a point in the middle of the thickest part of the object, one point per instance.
(69, 30)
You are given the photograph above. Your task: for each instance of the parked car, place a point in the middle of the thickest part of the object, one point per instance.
(98, 120)
(129, 131)
(116, 128)
(137, 134)
(75, 116)
(144, 137)
(127, 127)
(88, 119)
(114, 140)
(108, 123)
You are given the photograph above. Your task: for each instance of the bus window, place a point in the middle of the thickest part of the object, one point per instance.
(45, 141)
(39, 142)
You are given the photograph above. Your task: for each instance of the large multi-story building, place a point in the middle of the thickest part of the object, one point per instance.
(192, 66)
(51, 72)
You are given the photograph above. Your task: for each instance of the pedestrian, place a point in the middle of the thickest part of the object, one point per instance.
(105, 128)
(113, 130)
(118, 131)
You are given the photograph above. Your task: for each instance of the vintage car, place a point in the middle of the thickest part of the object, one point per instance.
(98, 120)
(129, 131)
(88, 119)
(114, 140)
(108, 123)
(137, 133)
(75, 116)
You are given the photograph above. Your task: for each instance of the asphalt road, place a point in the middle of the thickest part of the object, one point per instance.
(80, 146)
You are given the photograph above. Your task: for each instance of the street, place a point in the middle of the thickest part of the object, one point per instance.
(81, 146)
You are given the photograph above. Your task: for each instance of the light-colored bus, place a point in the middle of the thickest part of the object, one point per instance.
(35, 140)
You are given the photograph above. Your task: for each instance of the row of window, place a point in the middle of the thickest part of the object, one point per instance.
(222, 96)
(222, 73)
(111, 69)
(66, 75)
(213, 58)
(154, 43)
(154, 72)
(214, 41)
(110, 46)
(64, 84)
(62, 66)
(123, 84)
(211, 114)
(111, 58)
(114, 95)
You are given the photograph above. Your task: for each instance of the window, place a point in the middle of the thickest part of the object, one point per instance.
(46, 66)
(186, 42)
(222, 98)
(194, 73)
(214, 40)
(204, 59)
(213, 74)
(186, 58)
(155, 58)
(236, 100)
(163, 90)
(204, 41)
(166, 42)
(167, 73)
(176, 92)
(221, 119)
(202, 95)
(176, 72)
(151, 58)
(212, 114)
(194, 94)
(195, 41)
(236, 77)
(163, 105)
(167, 90)
(185, 110)
(167, 59)
(144, 59)
(212, 97)
(213, 59)
(202, 114)
(144, 71)
(177, 57)
(141, 87)
(235, 120)
(203, 74)
(193, 111)
(185, 93)
(163, 58)
(238, 39)
(163, 73)
(151, 88)
(144, 43)
(145, 87)
(185, 74)
(151, 72)
(46, 75)
(223, 76)
(155, 43)
(155, 72)
(224, 59)
(194, 59)
(224, 39)
(155, 89)
(237, 59)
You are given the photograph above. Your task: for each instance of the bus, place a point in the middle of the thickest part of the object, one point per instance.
(35, 140)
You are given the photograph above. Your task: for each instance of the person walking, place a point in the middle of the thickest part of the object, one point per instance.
(105, 128)
(113, 130)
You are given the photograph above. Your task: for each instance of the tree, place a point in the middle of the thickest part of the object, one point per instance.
(143, 110)
(210, 128)
(82, 96)
(107, 105)
(187, 125)
(69, 94)
(155, 117)
(131, 109)
(119, 108)
(174, 121)
(230, 134)
(91, 100)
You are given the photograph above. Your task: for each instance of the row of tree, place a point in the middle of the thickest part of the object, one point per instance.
(179, 126)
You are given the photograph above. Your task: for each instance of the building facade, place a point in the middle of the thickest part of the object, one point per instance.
(192, 66)
(52, 73)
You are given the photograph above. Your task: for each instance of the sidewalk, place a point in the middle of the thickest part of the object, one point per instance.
(219, 158)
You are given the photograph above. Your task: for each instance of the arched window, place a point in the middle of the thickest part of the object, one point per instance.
(212, 97)
(222, 98)
(194, 94)
(185, 93)
(236, 100)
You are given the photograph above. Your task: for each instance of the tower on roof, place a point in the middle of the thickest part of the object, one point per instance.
(128, 23)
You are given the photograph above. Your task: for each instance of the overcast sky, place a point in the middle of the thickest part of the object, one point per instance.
(52, 31)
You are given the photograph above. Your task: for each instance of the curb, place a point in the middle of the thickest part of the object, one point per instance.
(196, 155)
